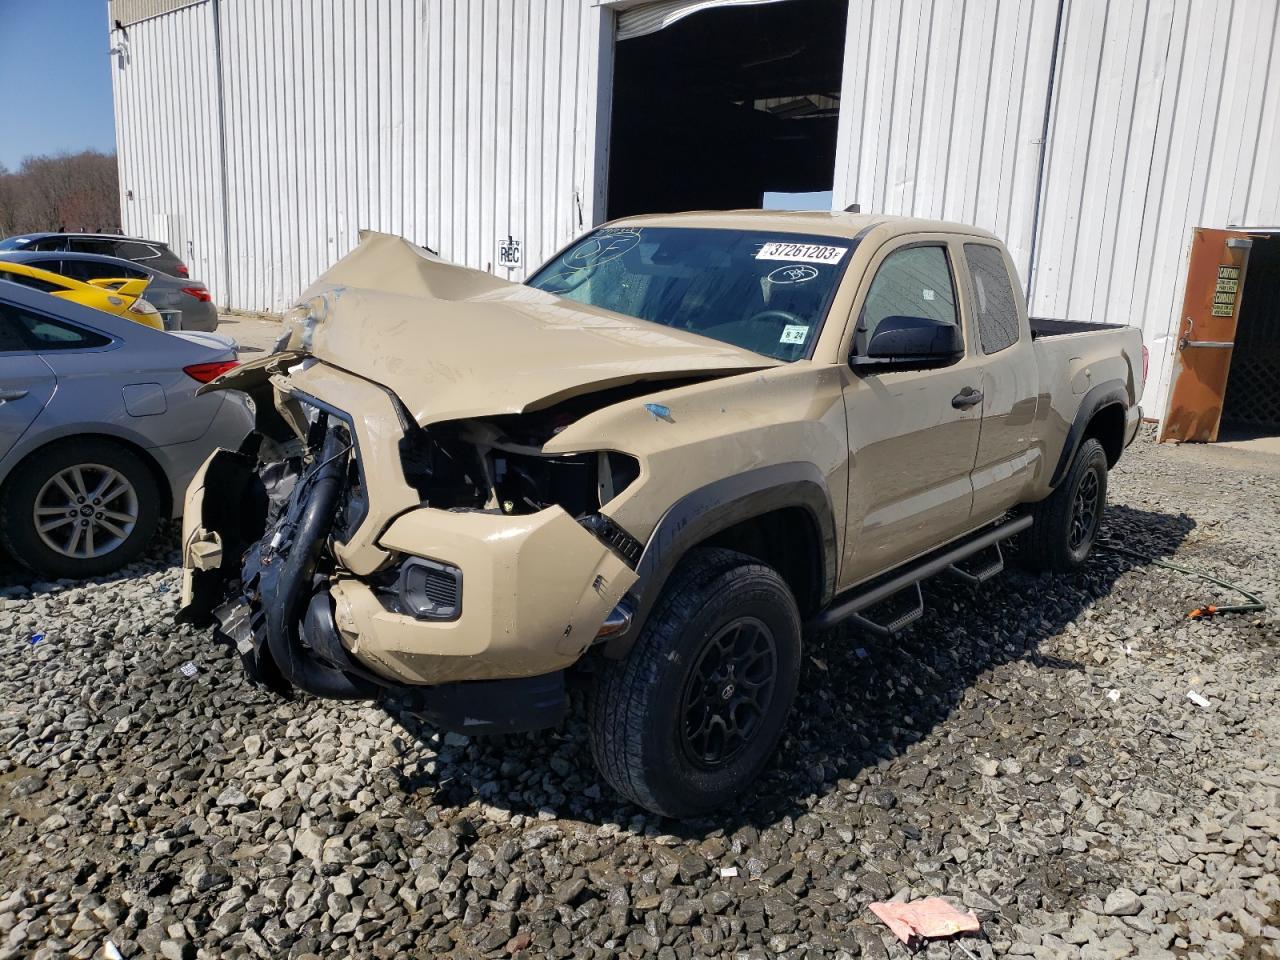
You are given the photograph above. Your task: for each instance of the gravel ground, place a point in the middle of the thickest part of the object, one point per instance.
(1028, 749)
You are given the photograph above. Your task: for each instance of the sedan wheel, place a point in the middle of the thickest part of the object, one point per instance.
(86, 511)
(79, 508)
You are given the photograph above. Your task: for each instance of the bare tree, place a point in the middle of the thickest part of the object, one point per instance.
(78, 191)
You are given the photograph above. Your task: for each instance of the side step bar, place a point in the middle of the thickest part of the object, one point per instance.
(852, 603)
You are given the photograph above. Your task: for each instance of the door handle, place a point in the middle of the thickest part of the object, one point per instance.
(12, 395)
(966, 398)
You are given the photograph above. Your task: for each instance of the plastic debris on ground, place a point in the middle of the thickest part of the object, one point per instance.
(1113, 695)
(928, 918)
(728, 873)
(1197, 699)
(189, 669)
(862, 654)
(35, 638)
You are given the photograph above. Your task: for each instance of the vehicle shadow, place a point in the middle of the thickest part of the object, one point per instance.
(862, 702)
(160, 554)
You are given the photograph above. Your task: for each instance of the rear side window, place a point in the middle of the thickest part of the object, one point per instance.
(11, 338)
(92, 245)
(131, 250)
(993, 296)
(35, 283)
(913, 282)
(45, 333)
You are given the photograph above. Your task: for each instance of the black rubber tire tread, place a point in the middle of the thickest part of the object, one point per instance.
(18, 534)
(621, 707)
(1046, 546)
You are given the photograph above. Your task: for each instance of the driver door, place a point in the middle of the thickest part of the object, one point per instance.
(913, 433)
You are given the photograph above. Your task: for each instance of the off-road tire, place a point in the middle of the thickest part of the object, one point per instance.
(18, 534)
(1048, 544)
(636, 706)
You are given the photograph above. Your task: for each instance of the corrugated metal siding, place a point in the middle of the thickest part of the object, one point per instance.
(1164, 120)
(451, 122)
(1165, 117)
(167, 138)
(131, 11)
(942, 108)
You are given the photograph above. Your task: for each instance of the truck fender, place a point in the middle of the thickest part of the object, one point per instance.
(1102, 395)
(716, 507)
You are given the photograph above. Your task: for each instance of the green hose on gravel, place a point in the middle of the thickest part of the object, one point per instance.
(1255, 604)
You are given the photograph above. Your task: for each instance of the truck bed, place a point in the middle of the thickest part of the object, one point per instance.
(1049, 327)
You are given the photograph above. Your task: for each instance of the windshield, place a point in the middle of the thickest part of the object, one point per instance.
(765, 291)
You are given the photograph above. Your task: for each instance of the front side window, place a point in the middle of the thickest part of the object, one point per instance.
(87, 270)
(45, 333)
(997, 308)
(912, 282)
(764, 291)
(49, 243)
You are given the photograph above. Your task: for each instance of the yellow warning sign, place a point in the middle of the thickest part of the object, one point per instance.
(1224, 294)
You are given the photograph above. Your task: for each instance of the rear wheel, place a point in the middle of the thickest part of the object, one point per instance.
(1066, 522)
(689, 718)
(79, 508)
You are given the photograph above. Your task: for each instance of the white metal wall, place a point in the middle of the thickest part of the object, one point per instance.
(454, 123)
(1164, 117)
(167, 137)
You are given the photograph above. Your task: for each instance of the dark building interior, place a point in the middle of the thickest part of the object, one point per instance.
(724, 105)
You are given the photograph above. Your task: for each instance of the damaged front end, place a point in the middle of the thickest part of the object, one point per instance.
(350, 553)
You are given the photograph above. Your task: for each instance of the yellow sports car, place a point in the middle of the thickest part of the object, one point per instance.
(122, 296)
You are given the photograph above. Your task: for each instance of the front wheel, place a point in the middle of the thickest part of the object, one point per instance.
(1065, 524)
(690, 717)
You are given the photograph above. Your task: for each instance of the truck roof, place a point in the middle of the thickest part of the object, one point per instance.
(835, 224)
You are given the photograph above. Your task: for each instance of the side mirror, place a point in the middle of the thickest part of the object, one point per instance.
(911, 341)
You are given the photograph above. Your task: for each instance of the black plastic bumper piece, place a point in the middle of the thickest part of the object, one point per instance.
(490, 707)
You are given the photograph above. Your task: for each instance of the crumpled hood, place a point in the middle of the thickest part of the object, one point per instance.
(452, 342)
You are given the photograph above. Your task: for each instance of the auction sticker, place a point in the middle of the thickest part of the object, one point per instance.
(794, 333)
(801, 252)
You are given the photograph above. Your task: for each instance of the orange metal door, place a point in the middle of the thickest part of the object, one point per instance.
(1206, 336)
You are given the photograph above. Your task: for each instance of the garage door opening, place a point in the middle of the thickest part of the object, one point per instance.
(726, 105)
(1251, 406)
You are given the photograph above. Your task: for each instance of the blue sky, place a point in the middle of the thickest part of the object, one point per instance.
(55, 73)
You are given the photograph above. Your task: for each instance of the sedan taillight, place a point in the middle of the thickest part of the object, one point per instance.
(204, 372)
(181, 270)
(200, 293)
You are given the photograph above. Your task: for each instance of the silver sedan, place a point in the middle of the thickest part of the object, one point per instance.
(100, 430)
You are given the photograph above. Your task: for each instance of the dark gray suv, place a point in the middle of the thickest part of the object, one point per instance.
(151, 253)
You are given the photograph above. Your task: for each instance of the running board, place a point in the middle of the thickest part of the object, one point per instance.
(975, 578)
(852, 603)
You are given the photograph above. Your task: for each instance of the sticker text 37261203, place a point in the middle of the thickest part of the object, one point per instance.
(801, 252)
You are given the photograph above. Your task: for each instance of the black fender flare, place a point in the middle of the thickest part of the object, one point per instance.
(1104, 394)
(718, 506)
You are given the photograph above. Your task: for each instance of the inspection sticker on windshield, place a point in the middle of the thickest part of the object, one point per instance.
(801, 252)
(794, 333)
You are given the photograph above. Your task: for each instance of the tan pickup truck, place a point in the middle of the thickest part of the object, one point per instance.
(683, 442)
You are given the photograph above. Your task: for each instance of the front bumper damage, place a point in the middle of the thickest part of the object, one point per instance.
(330, 575)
